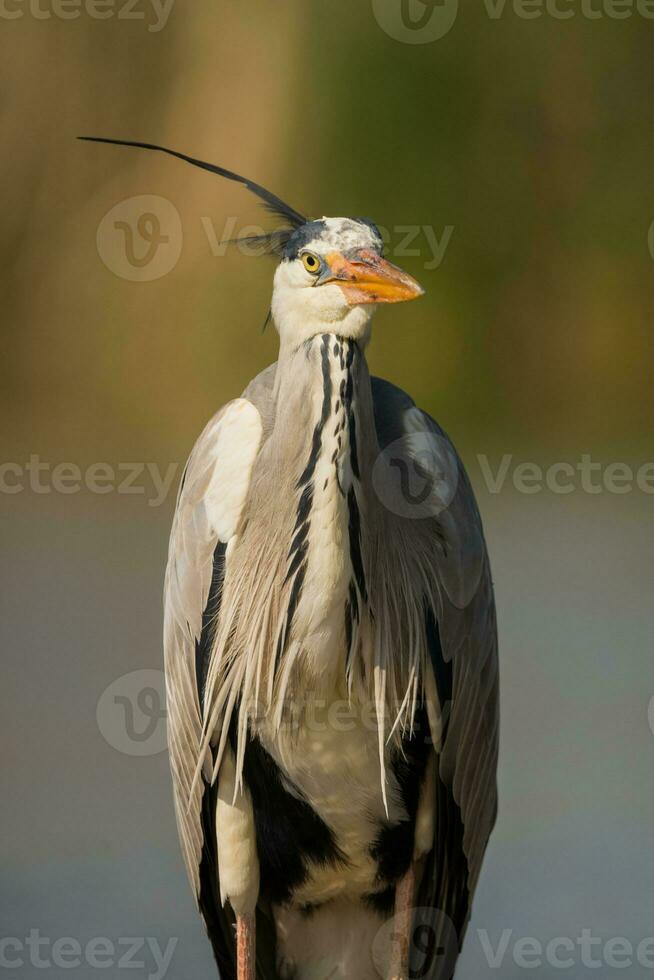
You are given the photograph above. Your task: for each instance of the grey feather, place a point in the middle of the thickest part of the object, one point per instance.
(433, 569)
(465, 614)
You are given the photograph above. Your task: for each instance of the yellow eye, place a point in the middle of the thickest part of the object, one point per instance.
(311, 263)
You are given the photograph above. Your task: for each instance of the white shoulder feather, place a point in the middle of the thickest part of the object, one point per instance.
(209, 506)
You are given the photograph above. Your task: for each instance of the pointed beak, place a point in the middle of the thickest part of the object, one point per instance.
(365, 277)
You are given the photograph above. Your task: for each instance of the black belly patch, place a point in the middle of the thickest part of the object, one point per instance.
(290, 834)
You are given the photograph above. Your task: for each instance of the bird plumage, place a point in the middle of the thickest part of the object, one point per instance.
(273, 204)
(330, 644)
(429, 621)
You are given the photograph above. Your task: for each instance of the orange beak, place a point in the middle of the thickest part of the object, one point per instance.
(365, 277)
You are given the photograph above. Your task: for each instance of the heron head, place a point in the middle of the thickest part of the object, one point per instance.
(332, 272)
(331, 277)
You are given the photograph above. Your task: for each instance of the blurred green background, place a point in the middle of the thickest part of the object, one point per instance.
(532, 140)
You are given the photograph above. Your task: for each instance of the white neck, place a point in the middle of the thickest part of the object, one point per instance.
(298, 322)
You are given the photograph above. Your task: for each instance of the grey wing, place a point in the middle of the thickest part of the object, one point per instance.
(461, 636)
(209, 505)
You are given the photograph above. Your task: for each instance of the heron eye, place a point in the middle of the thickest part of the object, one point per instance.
(311, 263)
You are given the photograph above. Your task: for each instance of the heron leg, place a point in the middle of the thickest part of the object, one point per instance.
(246, 946)
(403, 922)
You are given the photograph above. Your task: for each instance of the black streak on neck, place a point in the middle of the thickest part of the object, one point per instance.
(354, 528)
(324, 415)
(299, 548)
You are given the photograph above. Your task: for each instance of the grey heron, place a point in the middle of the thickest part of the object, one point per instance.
(330, 645)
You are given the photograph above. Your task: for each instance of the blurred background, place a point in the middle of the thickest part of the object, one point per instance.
(509, 158)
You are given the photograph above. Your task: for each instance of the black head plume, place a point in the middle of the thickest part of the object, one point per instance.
(273, 242)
